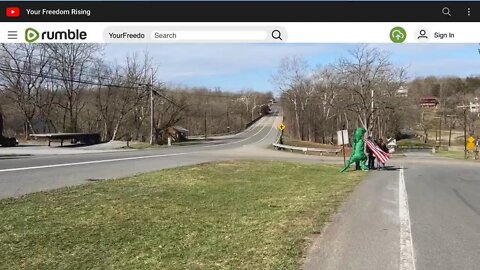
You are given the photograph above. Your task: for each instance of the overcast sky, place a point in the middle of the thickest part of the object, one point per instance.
(237, 66)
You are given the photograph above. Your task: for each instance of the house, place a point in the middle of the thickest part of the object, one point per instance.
(177, 133)
(474, 106)
(429, 102)
(401, 92)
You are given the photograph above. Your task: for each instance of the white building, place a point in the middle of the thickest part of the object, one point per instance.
(474, 106)
(402, 92)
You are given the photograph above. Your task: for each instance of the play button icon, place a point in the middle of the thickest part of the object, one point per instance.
(31, 35)
(12, 12)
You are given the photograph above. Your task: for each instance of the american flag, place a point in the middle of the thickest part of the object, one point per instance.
(377, 152)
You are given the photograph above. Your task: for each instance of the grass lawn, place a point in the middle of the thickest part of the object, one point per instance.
(413, 143)
(451, 154)
(458, 154)
(228, 215)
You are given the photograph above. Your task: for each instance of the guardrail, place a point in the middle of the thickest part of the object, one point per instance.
(306, 149)
(414, 147)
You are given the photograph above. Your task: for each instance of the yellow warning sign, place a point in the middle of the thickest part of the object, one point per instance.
(470, 143)
(282, 126)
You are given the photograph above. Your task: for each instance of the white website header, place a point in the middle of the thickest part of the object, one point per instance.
(240, 32)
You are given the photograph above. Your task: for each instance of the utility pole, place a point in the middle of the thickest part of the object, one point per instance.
(150, 88)
(465, 130)
(465, 108)
(205, 125)
(228, 122)
(440, 131)
(450, 128)
(372, 107)
(1, 124)
(372, 104)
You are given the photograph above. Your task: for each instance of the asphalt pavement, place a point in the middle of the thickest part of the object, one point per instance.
(423, 213)
(23, 174)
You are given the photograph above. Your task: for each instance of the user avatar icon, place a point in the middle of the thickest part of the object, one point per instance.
(423, 34)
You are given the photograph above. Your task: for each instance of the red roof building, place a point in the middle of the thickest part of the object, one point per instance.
(429, 102)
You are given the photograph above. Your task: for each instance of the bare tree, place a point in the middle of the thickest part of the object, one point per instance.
(169, 112)
(22, 76)
(326, 82)
(370, 81)
(293, 82)
(73, 64)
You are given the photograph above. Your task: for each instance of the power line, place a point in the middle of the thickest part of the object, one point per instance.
(58, 78)
(8, 69)
(52, 66)
(89, 74)
(82, 82)
(94, 75)
(36, 58)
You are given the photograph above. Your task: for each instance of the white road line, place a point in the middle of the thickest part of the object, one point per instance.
(128, 158)
(407, 255)
(273, 127)
(92, 162)
(242, 140)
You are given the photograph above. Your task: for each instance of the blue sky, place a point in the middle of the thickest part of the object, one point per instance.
(237, 66)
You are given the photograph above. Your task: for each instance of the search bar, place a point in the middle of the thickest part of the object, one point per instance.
(210, 35)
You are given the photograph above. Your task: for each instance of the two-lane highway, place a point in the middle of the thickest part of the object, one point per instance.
(23, 175)
(444, 203)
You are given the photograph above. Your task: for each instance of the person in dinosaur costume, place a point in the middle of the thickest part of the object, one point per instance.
(358, 151)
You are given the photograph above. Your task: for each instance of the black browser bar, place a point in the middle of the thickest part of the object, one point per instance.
(245, 11)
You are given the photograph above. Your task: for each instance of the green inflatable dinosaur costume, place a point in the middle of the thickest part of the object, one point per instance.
(358, 151)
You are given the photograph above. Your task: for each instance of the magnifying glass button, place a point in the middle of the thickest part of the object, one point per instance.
(446, 11)
(276, 34)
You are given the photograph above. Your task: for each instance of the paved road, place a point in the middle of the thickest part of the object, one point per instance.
(24, 174)
(426, 216)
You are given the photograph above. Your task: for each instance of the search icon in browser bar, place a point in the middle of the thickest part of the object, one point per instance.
(446, 11)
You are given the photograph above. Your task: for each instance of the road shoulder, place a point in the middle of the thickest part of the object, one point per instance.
(365, 232)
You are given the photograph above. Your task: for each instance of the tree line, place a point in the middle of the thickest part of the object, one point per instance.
(454, 95)
(362, 90)
(48, 88)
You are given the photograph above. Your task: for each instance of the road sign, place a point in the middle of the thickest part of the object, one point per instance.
(470, 143)
(342, 137)
(282, 126)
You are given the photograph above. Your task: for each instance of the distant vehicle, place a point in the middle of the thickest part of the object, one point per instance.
(8, 142)
(391, 144)
(265, 109)
(5, 141)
